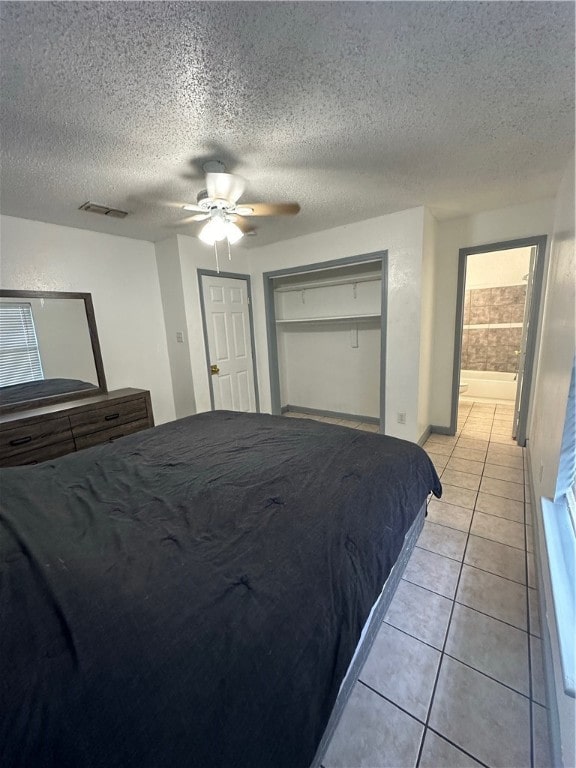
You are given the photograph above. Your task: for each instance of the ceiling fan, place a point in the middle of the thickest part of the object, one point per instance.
(218, 206)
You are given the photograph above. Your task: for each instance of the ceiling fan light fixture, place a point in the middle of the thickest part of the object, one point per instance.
(233, 232)
(220, 228)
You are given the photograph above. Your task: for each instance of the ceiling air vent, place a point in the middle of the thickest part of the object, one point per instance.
(104, 210)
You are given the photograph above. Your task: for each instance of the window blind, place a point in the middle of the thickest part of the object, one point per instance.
(19, 353)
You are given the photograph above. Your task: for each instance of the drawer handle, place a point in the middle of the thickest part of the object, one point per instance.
(111, 416)
(21, 440)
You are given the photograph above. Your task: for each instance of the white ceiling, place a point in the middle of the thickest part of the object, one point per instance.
(352, 109)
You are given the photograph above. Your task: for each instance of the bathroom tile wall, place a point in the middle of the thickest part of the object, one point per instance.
(493, 328)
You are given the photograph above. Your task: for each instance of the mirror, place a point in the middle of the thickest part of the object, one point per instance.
(49, 349)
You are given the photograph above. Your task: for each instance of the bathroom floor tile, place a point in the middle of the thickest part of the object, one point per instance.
(473, 454)
(502, 488)
(420, 613)
(494, 596)
(482, 716)
(475, 443)
(504, 473)
(449, 515)
(499, 559)
(442, 540)
(504, 439)
(465, 465)
(438, 460)
(461, 497)
(500, 507)
(498, 529)
(431, 571)
(461, 479)
(490, 646)
(438, 448)
(402, 669)
(442, 439)
(373, 732)
(439, 753)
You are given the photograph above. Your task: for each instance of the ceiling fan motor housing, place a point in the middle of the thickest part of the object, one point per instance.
(209, 203)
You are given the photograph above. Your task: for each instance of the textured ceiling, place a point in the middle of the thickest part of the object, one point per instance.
(353, 109)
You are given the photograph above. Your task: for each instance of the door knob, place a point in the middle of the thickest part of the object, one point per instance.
(214, 370)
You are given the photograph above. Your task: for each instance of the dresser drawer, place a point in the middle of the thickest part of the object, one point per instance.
(39, 455)
(111, 434)
(110, 415)
(28, 437)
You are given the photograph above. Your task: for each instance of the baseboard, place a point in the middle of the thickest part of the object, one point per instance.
(425, 435)
(547, 656)
(441, 430)
(331, 414)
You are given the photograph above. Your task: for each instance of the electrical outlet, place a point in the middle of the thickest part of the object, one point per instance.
(179, 337)
(401, 418)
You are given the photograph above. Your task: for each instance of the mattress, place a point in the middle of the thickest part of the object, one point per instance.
(193, 595)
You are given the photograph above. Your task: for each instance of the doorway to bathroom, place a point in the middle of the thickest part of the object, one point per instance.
(499, 289)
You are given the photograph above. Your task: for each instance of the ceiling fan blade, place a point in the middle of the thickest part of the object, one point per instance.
(270, 209)
(192, 207)
(246, 226)
(224, 186)
(189, 220)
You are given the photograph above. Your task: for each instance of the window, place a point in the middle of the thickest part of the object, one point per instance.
(19, 353)
(560, 530)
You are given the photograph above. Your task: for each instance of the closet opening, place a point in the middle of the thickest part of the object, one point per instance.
(326, 327)
(499, 290)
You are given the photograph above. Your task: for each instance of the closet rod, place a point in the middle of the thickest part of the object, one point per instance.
(328, 283)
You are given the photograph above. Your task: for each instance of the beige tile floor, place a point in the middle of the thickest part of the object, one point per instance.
(454, 679)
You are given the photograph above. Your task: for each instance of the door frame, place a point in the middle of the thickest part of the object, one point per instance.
(538, 242)
(234, 276)
(270, 310)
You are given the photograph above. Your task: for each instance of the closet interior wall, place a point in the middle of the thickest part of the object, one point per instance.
(328, 326)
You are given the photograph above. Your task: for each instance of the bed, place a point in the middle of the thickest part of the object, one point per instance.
(32, 390)
(193, 595)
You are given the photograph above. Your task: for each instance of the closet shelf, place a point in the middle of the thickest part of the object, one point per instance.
(332, 319)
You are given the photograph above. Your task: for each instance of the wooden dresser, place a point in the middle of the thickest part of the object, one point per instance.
(29, 437)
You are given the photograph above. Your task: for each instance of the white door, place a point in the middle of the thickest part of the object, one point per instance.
(231, 366)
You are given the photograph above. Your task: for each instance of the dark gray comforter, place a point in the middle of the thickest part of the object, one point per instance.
(192, 595)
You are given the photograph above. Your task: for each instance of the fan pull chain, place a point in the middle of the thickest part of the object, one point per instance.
(216, 255)
(229, 254)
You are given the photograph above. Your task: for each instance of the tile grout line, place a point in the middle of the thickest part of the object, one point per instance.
(443, 652)
(441, 660)
(529, 615)
(461, 661)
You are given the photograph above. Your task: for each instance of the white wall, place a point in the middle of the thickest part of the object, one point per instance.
(330, 366)
(399, 233)
(492, 270)
(121, 275)
(553, 370)
(482, 228)
(321, 369)
(170, 277)
(427, 322)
